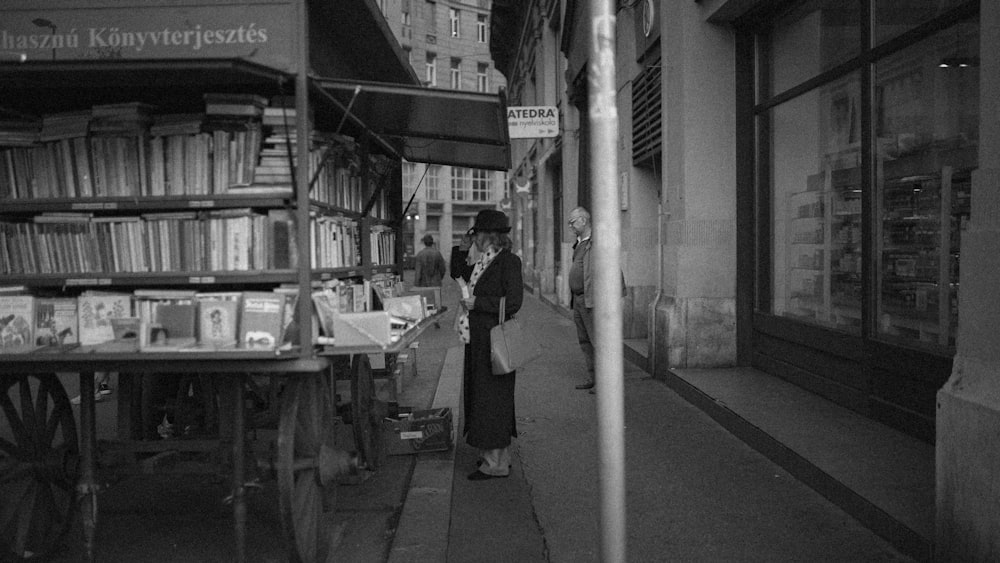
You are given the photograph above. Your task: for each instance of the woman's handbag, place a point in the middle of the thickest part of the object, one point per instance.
(510, 347)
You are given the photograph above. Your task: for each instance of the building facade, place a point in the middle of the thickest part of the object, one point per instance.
(808, 188)
(447, 44)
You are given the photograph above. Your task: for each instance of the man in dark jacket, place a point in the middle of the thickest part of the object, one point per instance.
(430, 267)
(581, 288)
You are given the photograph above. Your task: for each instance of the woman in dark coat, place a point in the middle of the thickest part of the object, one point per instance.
(489, 399)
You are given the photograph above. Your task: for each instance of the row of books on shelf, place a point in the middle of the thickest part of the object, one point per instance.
(125, 166)
(146, 320)
(129, 118)
(158, 320)
(218, 240)
(238, 145)
(383, 245)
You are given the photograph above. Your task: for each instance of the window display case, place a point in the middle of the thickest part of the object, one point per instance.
(920, 221)
(824, 251)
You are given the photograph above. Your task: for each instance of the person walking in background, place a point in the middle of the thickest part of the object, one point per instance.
(489, 399)
(430, 266)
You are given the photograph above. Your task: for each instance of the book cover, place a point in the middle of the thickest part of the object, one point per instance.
(17, 321)
(218, 322)
(326, 303)
(289, 323)
(126, 336)
(283, 248)
(360, 298)
(261, 320)
(126, 328)
(407, 307)
(95, 313)
(169, 318)
(177, 319)
(346, 294)
(56, 321)
(363, 329)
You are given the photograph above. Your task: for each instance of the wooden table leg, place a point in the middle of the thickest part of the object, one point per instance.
(239, 492)
(87, 486)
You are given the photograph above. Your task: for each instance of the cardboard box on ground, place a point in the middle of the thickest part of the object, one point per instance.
(407, 434)
(418, 431)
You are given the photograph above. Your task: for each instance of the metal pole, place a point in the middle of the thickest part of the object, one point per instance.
(607, 280)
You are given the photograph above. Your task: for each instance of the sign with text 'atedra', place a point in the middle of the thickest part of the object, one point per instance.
(532, 122)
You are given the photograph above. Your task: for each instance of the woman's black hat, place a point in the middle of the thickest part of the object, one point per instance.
(491, 220)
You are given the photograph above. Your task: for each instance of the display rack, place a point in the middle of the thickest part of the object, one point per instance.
(922, 209)
(922, 213)
(824, 250)
(146, 175)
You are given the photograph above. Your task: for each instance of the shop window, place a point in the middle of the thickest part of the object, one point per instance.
(927, 131)
(811, 38)
(895, 17)
(892, 276)
(816, 206)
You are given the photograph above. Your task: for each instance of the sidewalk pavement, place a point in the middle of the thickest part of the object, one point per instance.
(695, 492)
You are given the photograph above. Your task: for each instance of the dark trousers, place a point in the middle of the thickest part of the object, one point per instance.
(584, 319)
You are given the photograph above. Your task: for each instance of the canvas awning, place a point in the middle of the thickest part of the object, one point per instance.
(429, 125)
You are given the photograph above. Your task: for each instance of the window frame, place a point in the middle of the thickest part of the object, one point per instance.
(430, 69)
(455, 21)
(756, 105)
(482, 28)
(460, 184)
(455, 73)
(482, 77)
(433, 181)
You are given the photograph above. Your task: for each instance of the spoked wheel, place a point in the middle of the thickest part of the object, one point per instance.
(307, 466)
(39, 465)
(366, 412)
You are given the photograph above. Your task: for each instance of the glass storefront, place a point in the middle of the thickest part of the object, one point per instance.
(816, 206)
(866, 213)
(926, 130)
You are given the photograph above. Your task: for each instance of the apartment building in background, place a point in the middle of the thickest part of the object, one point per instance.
(447, 43)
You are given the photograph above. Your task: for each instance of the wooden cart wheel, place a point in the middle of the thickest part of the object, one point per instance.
(308, 465)
(39, 465)
(366, 413)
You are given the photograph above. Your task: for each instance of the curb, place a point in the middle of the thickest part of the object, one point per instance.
(422, 532)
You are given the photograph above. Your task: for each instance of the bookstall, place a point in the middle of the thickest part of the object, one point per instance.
(184, 186)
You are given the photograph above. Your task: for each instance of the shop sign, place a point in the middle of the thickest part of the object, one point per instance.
(532, 122)
(257, 32)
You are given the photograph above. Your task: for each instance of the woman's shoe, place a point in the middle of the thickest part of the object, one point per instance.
(480, 476)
